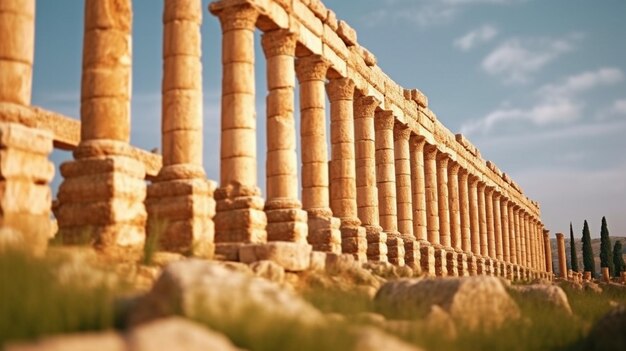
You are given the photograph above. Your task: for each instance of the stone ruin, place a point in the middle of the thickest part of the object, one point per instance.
(394, 185)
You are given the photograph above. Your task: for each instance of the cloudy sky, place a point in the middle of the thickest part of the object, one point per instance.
(538, 85)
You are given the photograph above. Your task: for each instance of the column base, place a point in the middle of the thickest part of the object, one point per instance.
(353, 241)
(294, 257)
(286, 221)
(427, 258)
(376, 244)
(25, 173)
(489, 269)
(324, 233)
(481, 268)
(101, 200)
(180, 214)
(239, 217)
(472, 265)
(452, 263)
(462, 264)
(441, 269)
(395, 249)
(509, 271)
(411, 252)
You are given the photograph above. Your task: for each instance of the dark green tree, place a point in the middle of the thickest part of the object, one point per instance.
(588, 263)
(618, 259)
(572, 249)
(606, 255)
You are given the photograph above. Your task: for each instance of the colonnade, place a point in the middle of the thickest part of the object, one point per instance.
(381, 191)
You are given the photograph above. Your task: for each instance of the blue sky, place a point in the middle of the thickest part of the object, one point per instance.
(538, 85)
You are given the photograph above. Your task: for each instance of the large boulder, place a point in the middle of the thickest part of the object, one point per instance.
(550, 296)
(474, 303)
(373, 339)
(609, 332)
(212, 293)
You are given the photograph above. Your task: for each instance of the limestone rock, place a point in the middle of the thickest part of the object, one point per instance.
(174, 334)
(608, 332)
(474, 303)
(545, 296)
(293, 257)
(372, 339)
(592, 287)
(268, 270)
(207, 291)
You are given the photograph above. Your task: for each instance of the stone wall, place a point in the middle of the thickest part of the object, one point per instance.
(394, 184)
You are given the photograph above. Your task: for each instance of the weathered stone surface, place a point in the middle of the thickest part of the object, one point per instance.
(475, 303)
(292, 256)
(372, 339)
(268, 270)
(201, 290)
(545, 296)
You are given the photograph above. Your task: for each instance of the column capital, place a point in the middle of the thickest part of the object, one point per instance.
(365, 106)
(279, 42)
(430, 152)
(463, 172)
(312, 67)
(482, 185)
(454, 168)
(496, 195)
(384, 120)
(473, 180)
(559, 235)
(504, 200)
(401, 131)
(443, 157)
(417, 142)
(242, 16)
(489, 190)
(340, 89)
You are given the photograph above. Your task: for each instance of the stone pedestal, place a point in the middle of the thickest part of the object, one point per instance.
(452, 263)
(411, 251)
(481, 267)
(376, 244)
(606, 277)
(472, 265)
(462, 265)
(26, 172)
(353, 240)
(291, 256)
(427, 259)
(623, 277)
(324, 233)
(441, 267)
(395, 249)
(101, 199)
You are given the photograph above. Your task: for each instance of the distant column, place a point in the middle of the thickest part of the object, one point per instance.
(342, 167)
(474, 215)
(491, 232)
(454, 205)
(386, 182)
(432, 206)
(497, 225)
(548, 250)
(367, 192)
(560, 244)
(504, 212)
(420, 218)
(448, 255)
(482, 215)
(512, 233)
(464, 198)
(401, 134)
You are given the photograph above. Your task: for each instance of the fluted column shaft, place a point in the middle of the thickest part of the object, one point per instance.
(442, 192)
(512, 233)
(474, 215)
(527, 239)
(402, 156)
(454, 205)
(418, 187)
(17, 35)
(504, 212)
(497, 225)
(432, 199)
(464, 199)
(386, 172)
(491, 232)
(367, 192)
(482, 213)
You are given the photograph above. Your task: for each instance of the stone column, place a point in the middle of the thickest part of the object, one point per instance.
(420, 219)
(17, 34)
(455, 217)
(526, 223)
(519, 230)
(475, 223)
(343, 201)
(444, 215)
(469, 267)
(402, 153)
(180, 201)
(367, 192)
(103, 191)
(25, 172)
(482, 216)
(286, 221)
(491, 232)
(560, 244)
(324, 233)
(240, 218)
(548, 250)
(512, 233)
(497, 226)
(432, 207)
(386, 183)
(506, 248)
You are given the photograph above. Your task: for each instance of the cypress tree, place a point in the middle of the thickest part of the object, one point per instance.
(618, 259)
(606, 255)
(572, 249)
(588, 263)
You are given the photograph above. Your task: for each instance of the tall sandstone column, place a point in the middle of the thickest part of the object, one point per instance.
(560, 245)
(529, 247)
(180, 201)
(491, 232)
(240, 217)
(25, 171)
(367, 191)
(484, 265)
(497, 226)
(420, 219)
(447, 252)
(455, 217)
(475, 224)
(506, 248)
(342, 167)
(512, 233)
(519, 230)
(548, 250)
(324, 233)
(286, 221)
(401, 135)
(103, 191)
(386, 182)
(432, 207)
(469, 265)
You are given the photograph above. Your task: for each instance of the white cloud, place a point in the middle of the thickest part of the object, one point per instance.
(583, 82)
(517, 59)
(480, 35)
(619, 107)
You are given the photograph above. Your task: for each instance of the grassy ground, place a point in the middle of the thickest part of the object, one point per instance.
(34, 303)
